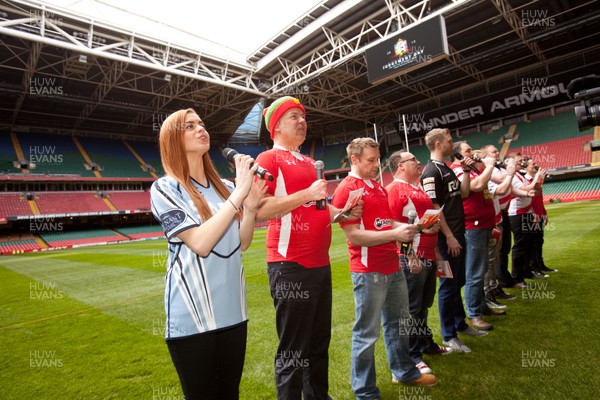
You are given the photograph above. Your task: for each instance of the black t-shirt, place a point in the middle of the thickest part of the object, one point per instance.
(442, 186)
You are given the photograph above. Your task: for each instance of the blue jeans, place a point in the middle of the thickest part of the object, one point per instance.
(452, 312)
(379, 299)
(476, 262)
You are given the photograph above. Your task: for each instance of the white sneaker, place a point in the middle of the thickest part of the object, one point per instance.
(457, 345)
(424, 368)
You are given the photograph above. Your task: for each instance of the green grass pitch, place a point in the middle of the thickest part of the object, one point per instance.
(88, 323)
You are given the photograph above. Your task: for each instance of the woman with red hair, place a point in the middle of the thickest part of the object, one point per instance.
(208, 222)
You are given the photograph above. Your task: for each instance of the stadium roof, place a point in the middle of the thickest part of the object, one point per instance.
(65, 72)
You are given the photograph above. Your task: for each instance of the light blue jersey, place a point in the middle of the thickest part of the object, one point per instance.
(202, 294)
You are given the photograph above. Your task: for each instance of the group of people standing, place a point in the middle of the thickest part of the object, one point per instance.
(209, 221)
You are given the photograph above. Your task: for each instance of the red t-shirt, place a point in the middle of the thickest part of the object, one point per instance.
(404, 197)
(303, 235)
(376, 216)
(537, 202)
(479, 206)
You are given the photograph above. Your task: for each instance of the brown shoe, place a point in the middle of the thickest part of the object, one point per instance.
(480, 324)
(425, 380)
(520, 285)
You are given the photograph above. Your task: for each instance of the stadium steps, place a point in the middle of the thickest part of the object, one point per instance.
(85, 155)
(140, 159)
(40, 242)
(34, 208)
(18, 150)
(149, 152)
(114, 158)
(109, 204)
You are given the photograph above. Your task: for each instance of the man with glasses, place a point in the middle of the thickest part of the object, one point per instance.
(405, 196)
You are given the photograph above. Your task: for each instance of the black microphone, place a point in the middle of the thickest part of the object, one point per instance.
(320, 166)
(407, 246)
(231, 154)
(583, 87)
(460, 157)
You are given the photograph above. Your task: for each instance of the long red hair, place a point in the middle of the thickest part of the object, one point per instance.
(175, 162)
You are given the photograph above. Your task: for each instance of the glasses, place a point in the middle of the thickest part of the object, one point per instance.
(408, 159)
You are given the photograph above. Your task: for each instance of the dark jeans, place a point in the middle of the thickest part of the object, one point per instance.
(505, 280)
(450, 304)
(302, 299)
(210, 365)
(522, 228)
(537, 260)
(421, 292)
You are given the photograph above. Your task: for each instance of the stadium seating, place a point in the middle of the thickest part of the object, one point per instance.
(114, 157)
(53, 154)
(559, 153)
(130, 200)
(12, 204)
(7, 153)
(18, 246)
(69, 203)
(572, 190)
(141, 232)
(149, 152)
(75, 238)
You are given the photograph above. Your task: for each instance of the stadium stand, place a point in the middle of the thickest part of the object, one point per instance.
(69, 203)
(552, 139)
(76, 238)
(148, 151)
(7, 154)
(18, 246)
(53, 154)
(141, 232)
(560, 153)
(572, 190)
(13, 204)
(130, 200)
(114, 158)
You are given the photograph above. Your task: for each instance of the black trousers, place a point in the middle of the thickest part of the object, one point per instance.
(302, 299)
(503, 276)
(522, 228)
(537, 259)
(210, 365)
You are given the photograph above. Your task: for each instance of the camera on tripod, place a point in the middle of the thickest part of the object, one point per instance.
(586, 88)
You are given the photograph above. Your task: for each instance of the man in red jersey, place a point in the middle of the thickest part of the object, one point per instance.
(479, 221)
(405, 196)
(298, 239)
(380, 293)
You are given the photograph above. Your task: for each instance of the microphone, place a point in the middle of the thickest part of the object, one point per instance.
(231, 154)
(407, 246)
(320, 166)
(583, 87)
(460, 157)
